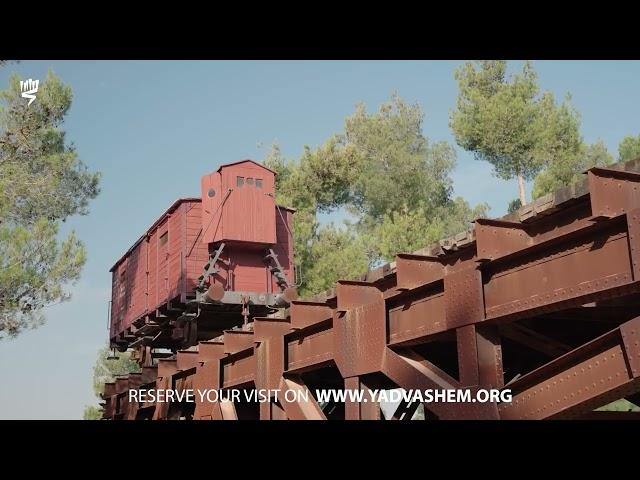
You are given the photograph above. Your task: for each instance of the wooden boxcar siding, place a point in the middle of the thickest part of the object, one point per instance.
(129, 287)
(136, 296)
(152, 284)
(196, 252)
(211, 210)
(242, 267)
(250, 273)
(179, 261)
(158, 264)
(155, 271)
(248, 213)
(117, 311)
(176, 253)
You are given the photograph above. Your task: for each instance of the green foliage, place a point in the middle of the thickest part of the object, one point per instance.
(42, 183)
(509, 123)
(34, 267)
(629, 148)
(396, 165)
(106, 370)
(335, 253)
(569, 168)
(384, 172)
(91, 412)
(408, 229)
(514, 205)
(290, 191)
(621, 405)
(419, 413)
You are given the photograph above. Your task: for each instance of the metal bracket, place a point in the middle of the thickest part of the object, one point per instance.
(413, 271)
(210, 268)
(277, 271)
(613, 192)
(497, 238)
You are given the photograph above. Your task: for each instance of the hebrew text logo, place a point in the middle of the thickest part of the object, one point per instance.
(29, 89)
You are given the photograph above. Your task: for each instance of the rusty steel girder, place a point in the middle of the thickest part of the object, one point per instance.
(574, 384)
(544, 302)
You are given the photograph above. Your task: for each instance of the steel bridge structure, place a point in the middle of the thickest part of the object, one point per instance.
(544, 301)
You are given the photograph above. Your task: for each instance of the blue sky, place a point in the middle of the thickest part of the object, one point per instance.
(154, 128)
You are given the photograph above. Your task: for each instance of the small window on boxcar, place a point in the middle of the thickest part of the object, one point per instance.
(163, 238)
(258, 182)
(249, 181)
(211, 193)
(239, 181)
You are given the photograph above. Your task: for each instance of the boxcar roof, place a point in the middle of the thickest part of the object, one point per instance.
(243, 161)
(284, 207)
(172, 208)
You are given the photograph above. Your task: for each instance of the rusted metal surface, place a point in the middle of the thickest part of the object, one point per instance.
(602, 370)
(489, 349)
(359, 327)
(300, 410)
(417, 316)
(416, 270)
(463, 297)
(304, 314)
(355, 410)
(310, 347)
(468, 357)
(544, 302)
(613, 192)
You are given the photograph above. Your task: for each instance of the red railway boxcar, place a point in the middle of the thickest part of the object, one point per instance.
(240, 217)
(162, 266)
(230, 249)
(239, 205)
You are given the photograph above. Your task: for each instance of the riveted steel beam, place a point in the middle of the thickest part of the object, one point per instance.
(210, 350)
(300, 405)
(414, 271)
(270, 362)
(410, 371)
(496, 238)
(236, 340)
(304, 313)
(167, 367)
(310, 347)
(594, 266)
(266, 327)
(351, 294)
(227, 410)
(463, 297)
(588, 377)
(365, 410)
(359, 328)
(467, 355)
(417, 316)
(613, 192)
(489, 347)
(207, 378)
(238, 368)
(186, 359)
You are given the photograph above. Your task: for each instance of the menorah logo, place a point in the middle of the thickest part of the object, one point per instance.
(29, 89)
